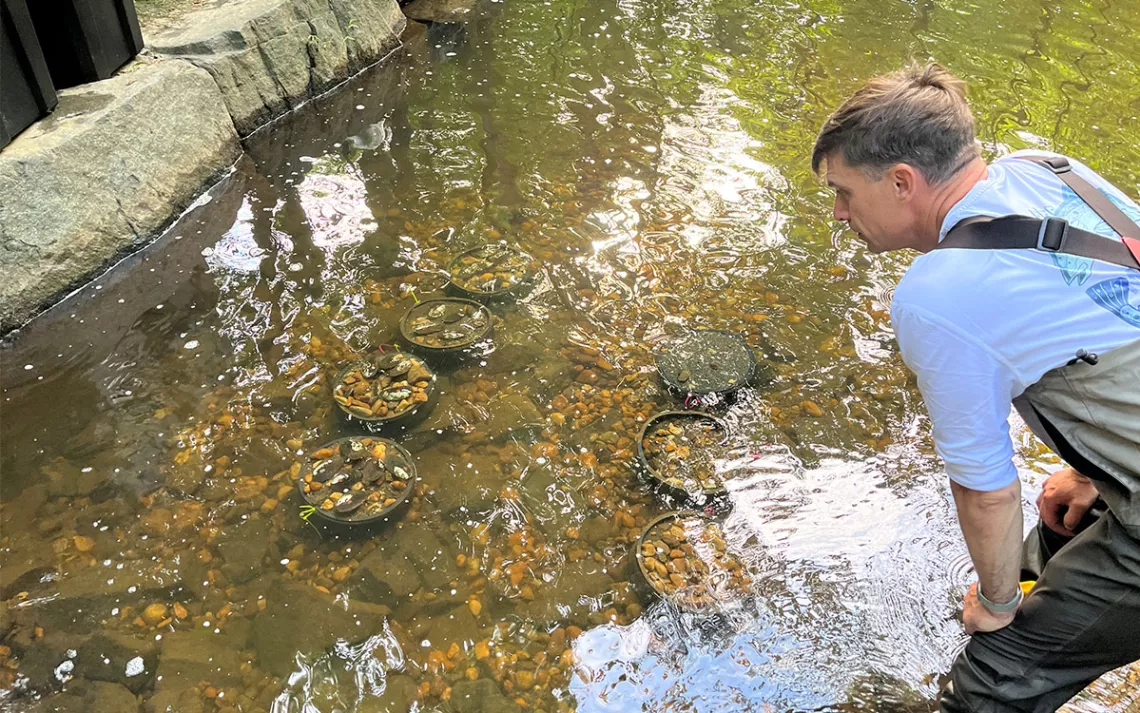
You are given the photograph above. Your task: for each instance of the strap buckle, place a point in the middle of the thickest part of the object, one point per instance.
(1051, 236)
(1059, 164)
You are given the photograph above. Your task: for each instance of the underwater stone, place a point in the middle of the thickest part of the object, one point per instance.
(243, 547)
(400, 694)
(300, 619)
(481, 696)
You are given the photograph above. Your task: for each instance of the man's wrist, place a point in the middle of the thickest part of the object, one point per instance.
(1001, 607)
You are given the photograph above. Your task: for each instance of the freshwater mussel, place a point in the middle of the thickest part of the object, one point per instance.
(685, 557)
(491, 269)
(357, 478)
(682, 449)
(445, 324)
(384, 386)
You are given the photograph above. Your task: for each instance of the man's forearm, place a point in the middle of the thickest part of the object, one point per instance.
(992, 525)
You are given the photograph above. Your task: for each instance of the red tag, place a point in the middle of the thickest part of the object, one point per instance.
(1133, 246)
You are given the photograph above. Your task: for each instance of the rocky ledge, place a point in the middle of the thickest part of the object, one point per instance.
(268, 56)
(111, 166)
(119, 159)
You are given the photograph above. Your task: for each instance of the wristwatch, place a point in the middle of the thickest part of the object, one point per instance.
(1003, 608)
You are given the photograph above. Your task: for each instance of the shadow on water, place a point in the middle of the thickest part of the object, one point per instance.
(652, 157)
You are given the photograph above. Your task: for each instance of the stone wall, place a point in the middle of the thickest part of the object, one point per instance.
(118, 160)
(110, 167)
(269, 56)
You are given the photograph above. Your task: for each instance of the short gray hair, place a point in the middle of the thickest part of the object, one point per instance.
(917, 116)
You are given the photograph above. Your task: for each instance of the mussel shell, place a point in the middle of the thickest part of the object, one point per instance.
(400, 367)
(437, 311)
(493, 254)
(325, 469)
(349, 502)
(477, 269)
(393, 460)
(425, 329)
(352, 451)
(454, 312)
(340, 478)
(386, 360)
(398, 394)
(369, 369)
(371, 472)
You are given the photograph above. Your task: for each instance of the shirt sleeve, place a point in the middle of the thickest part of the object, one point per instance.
(968, 390)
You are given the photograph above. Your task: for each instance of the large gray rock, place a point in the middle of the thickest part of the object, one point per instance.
(66, 479)
(243, 547)
(103, 697)
(116, 658)
(481, 696)
(512, 414)
(410, 557)
(399, 696)
(51, 660)
(81, 599)
(18, 512)
(440, 10)
(46, 663)
(570, 598)
(300, 619)
(189, 657)
(457, 626)
(459, 491)
(269, 56)
(114, 162)
(28, 565)
(88, 697)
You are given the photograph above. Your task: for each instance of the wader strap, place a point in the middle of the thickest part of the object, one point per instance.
(1016, 232)
(1096, 199)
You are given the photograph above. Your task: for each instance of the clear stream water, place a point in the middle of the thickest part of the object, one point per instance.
(654, 157)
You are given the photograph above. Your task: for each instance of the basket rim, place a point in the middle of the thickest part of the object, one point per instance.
(410, 338)
(385, 419)
(643, 459)
(383, 514)
(497, 293)
(639, 557)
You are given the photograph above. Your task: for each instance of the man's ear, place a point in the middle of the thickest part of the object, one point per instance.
(904, 180)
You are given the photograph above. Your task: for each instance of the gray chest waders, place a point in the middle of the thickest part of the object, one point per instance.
(1087, 411)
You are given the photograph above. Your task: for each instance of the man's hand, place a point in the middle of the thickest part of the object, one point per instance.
(1064, 500)
(977, 618)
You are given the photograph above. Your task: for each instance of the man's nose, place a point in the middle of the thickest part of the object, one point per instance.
(841, 212)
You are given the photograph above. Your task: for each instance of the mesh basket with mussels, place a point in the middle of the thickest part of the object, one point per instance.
(446, 323)
(384, 386)
(357, 479)
(491, 269)
(685, 557)
(681, 450)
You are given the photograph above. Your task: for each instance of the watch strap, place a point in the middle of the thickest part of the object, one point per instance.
(1001, 607)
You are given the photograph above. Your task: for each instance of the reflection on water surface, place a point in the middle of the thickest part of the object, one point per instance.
(653, 157)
